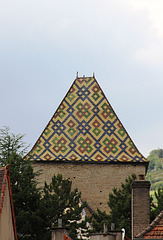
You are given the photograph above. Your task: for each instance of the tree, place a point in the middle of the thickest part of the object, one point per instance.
(59, 201)
(10, 144)
(120, 205)
(37, 210)
(154, 159)
(26, 196)
(98, 219)
(120, 209)
(157, 208)
(154, 174)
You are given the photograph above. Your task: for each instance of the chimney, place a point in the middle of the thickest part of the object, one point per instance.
(59, 232)
(105, 228)
(112, 226)
(140, 205)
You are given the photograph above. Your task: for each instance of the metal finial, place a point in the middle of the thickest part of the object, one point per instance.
(77, 75)
(93, 75)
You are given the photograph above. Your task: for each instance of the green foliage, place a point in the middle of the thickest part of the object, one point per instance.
(26, 196)
(10, 144)
(120, 209)
(120, 205)
(154, 159)
(154, 174)
(59, 201)
(98, 219)
(157, 208)
(35, 212)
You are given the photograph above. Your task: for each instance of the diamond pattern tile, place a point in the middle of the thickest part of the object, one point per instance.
(85, 128)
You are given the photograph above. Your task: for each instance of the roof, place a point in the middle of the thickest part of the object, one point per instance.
(127, 238)
(85, 128)
(4, 178)
(156, 233)
(66, 237)
(155, 229)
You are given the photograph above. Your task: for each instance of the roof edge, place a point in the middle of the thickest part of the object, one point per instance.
(151, 226)
(5, 179)
(91, 162)
(3, 189)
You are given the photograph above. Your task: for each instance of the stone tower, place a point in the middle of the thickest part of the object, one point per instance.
(86, 143)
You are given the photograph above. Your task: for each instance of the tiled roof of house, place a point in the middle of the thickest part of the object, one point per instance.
(155, 233)
(4, 178)
(127, 238)
(85, 128)
(155, 229)
(66, 237)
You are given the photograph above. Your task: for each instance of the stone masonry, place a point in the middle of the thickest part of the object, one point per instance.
(86, 142)
(140, 206)
(94, 181)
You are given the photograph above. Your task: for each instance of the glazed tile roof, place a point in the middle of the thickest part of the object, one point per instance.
(155, 229)
(85, 128)
(4, 178)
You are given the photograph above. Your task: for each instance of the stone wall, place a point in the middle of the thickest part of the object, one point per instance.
(95, 181)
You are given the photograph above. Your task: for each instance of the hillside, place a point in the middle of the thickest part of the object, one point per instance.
(155, 170)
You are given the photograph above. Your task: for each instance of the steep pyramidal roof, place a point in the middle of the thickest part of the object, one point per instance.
(85, 129)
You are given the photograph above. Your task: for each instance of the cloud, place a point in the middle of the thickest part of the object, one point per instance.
(151, 55)
(84, 19)
(43, 44)
(83, 33)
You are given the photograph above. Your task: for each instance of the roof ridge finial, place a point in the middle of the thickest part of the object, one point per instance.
(93, 75)
(77, 74)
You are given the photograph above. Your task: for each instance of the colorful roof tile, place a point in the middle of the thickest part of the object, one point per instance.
(85, 128)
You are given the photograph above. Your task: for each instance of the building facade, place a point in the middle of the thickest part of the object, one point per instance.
(86, 143)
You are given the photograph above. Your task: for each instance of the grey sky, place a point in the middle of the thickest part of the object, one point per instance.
(44, 43)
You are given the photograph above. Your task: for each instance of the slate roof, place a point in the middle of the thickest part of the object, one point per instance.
(155, 229)
(4, 178)
(85, 128)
